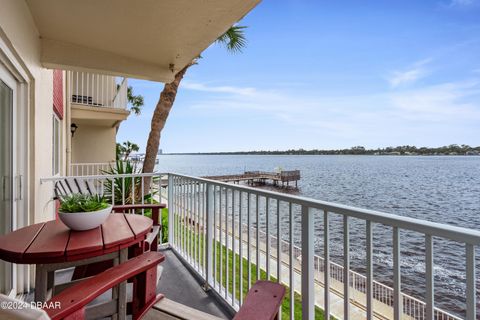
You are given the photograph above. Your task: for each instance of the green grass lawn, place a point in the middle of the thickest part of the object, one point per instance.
(221, 252)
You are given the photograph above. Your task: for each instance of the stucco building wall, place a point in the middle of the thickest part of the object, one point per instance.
(93, 144)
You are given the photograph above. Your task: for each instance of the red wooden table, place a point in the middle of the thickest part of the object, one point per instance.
(52, 246)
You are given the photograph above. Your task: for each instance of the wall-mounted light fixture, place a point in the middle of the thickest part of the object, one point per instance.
(73, 128)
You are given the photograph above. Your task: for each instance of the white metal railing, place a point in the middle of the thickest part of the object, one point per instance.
(207, 217)
(120, 100)
(97, 90)
(382, 293)
(124, 186)
(93, 168)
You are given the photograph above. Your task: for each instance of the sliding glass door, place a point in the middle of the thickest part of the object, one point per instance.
(7, 214)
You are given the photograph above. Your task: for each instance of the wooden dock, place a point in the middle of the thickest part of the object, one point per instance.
(282, 178)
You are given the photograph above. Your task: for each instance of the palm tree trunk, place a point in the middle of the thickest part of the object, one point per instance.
(159, 118)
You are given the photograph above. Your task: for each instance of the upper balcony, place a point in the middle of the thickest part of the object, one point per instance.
(98, 98)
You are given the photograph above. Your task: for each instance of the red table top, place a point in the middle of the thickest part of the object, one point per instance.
(52, 241)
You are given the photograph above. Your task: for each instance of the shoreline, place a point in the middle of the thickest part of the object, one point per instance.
(332, 154)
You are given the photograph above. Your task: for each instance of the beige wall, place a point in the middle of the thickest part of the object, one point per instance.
(20, 44)
(19, 29)
(93, 144)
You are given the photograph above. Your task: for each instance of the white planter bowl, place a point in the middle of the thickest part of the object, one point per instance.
(81, 221)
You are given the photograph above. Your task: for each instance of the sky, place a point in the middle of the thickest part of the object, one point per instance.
(328, 75)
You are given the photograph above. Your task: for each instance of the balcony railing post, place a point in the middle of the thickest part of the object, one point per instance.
(209, 236)
(308, 285)
(170, 209)
(471, 290)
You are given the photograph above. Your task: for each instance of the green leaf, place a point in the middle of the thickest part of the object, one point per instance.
(233, 39)
(77, 202)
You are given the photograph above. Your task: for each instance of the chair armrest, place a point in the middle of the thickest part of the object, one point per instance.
(154, 206)
(262, 302)
(74, 299)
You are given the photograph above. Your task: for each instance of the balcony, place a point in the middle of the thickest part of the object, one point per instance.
(228, 236)
(97, 99)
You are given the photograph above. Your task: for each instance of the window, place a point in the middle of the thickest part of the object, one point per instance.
(56, 154)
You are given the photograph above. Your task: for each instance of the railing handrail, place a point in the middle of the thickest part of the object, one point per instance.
(103, 176)
(455, 233)
(228, 202)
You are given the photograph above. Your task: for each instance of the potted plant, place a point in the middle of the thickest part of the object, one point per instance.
(83, 212)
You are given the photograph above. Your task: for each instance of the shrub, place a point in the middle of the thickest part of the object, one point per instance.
(128, 188)
(77, 202)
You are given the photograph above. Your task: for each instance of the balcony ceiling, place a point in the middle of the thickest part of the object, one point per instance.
(137, 39)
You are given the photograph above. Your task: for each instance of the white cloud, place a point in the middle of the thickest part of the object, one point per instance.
(404, 77)
(451, 103)
(415, 72)
(219, 89)
(447, 102)
(462, 3)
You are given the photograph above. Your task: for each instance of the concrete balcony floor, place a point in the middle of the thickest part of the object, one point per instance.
(178, 284)
(184, 296)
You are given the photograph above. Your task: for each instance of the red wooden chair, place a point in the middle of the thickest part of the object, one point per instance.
(262, 302)
(71, 303)
(73, 185)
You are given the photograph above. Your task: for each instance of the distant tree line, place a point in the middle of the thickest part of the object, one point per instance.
(453, 149)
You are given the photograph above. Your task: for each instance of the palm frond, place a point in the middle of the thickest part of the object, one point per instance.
(234, 39)
(136, 110)
(136, 101)
(126, 190)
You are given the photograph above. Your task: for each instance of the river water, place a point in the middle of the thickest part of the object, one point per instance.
(443, 189)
